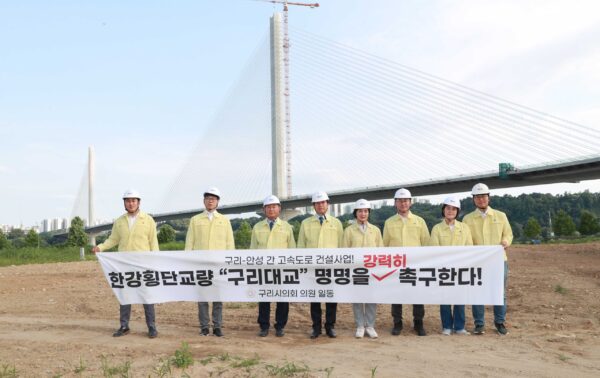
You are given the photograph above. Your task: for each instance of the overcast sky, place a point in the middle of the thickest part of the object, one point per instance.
(139, 80)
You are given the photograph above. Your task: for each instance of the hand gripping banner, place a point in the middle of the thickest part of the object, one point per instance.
(423, 275)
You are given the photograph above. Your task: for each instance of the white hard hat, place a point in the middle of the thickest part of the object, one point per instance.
(270, 200)
(320, 196)
(480, 189)
(402, 193)
(452, 201)
(362, 204)
(213, 192)
(131, 193)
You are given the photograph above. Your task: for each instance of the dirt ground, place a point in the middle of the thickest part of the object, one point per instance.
(58, 319)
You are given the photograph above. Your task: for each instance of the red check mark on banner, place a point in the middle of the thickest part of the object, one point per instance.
(384, 276)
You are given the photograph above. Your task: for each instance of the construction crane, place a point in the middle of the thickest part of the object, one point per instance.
(286, 86)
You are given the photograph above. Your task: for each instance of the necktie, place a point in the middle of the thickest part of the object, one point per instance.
(321, 218)
(271, 225)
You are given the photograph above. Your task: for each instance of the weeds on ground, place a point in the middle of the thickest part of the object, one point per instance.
(224, 357)
(81, 367)
(329, 371)
(239, 305)
(164, 368)
(122, 371)
(289, 369)
(183, 357)
(563, 358)
(560, 289)
(373, 370)
(206, 360)
(8, 371)
(246, 362)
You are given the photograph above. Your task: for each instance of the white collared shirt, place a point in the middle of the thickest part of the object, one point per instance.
(131, 220)
(483, 213)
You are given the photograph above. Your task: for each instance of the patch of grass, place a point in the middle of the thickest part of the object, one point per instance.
(220, 370)
(206, 361)
(563, 358)
(164, 368)
(183, 357)
(373, 370)
(329, 371)
(172, 246)
(224, 357)
(42, 255)
(574, 240)
(81, 367)
(8, 371)
(240, 305)
(289, 369)
(560, 289)
(122, 371)
(246, 362)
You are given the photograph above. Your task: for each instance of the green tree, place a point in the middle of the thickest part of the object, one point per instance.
(4, 242)
(563, 224)
(243, 235)
(16, 233)
(32, 239)
(532, 228)
(77, 236)
(588, 224)
(166, 234)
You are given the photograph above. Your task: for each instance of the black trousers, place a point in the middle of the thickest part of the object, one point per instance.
(418, 313)
(281, 314)
(316, 313)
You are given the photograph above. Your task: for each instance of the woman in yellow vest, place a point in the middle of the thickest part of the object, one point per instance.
(358, 235)
(451, 232)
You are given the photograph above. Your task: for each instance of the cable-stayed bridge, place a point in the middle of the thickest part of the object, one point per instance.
(361, 127)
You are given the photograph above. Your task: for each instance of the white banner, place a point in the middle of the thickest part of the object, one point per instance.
(421, 275)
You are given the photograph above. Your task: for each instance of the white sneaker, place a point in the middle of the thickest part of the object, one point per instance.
(371, 332)
(360, 332)
(446, 332)
(462, 332)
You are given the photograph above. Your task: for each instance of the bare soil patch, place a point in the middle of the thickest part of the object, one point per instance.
(58, 319)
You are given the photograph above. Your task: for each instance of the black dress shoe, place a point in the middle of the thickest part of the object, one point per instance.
(204, 332)
(397, 329)
(217, 332)
(279, 332)
(315, 333)
(420, 331)
(263, 332)
(121, 332)
(152, 332)
(331, 333)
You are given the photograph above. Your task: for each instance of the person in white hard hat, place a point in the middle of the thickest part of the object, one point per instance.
(489, 227)
(272, 233)
(451, 232)
(406, 229)
(321, 231)
(210, 230)
(133, 231)
(359, 235)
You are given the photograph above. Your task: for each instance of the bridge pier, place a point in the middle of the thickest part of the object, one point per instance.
(92, 240)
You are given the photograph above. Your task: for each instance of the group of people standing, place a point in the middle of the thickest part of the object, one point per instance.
(210, 230)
